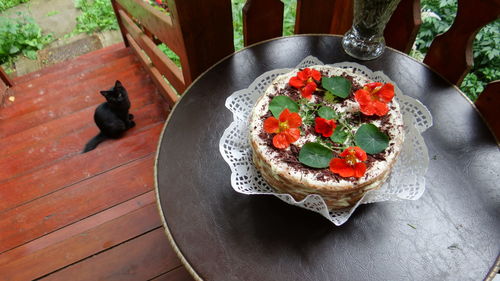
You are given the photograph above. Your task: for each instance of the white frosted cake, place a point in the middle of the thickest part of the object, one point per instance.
(326, 131)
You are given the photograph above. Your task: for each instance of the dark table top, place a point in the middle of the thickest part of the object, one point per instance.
(451, 233)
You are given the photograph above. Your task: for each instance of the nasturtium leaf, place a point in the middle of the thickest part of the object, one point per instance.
(339, 135)
(371, 139)
(327, 113)
(315, 155)
(337, 85)
(279, 103)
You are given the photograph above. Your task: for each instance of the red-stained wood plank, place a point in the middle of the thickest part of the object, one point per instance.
(108, 155)
(54, 111)
(71, 204)
(178, 274)
(43, 153)
(53, 93)
(142, 258)
(86, 62)
(84, 225)
(82, 245)
(57, 128)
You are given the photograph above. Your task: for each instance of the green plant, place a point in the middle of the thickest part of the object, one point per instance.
(97, 15)
(170, 54)
(52, 13)
(20, 35)
(7, 4)
(437, 16)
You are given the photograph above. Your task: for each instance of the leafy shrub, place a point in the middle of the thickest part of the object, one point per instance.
(20, 35)
(437, 17)
(7, 4)
(97, 15)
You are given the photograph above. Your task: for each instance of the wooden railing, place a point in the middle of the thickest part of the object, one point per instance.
(141, 25)
(4, 79)
(263, 19)
(5, 83)
(144, 28)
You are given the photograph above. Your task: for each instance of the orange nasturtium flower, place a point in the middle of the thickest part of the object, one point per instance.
(286, 128)
(351, 164)
(324, 127)
(305, 81)
(373, 98)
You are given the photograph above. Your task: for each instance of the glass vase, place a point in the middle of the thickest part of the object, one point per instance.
(365, 39)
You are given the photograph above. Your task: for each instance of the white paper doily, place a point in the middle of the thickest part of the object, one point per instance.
(406, 181)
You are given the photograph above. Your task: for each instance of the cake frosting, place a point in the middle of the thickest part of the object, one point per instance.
(282, 168)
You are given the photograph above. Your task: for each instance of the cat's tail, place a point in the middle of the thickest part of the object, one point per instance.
(94, 142)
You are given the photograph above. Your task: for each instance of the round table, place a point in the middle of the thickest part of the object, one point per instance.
(451, 233)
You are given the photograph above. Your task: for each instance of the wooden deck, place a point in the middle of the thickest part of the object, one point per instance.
(71, 216)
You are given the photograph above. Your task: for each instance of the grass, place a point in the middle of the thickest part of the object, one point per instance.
(7, 4)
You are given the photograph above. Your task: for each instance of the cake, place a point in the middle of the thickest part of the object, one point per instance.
(326, 131)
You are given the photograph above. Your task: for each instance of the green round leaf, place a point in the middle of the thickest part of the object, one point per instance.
(279, 103)
(339, 135)
(337, 85)
(315, 155)
(371, 139)
(327, 113)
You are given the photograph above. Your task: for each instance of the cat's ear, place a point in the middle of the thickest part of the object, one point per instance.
(106, 93)
(118, 83)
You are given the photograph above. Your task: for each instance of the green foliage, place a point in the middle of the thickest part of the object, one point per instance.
(20, 35)
(97, 15)
(52, 13)
(437, 17)
(7, 4)
(337, 85)
(170, 54)
(315, 155)
(371, 139)
(280, 103)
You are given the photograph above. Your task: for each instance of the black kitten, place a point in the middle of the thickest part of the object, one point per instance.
(112, 117)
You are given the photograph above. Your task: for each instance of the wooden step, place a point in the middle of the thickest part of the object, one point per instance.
(87, 60)
(97, 80)
(107, 156)
(57, 128)
(41, 154)
(71, 204)
(68, 73)
(132, 221)
(142, 258)
(54, 111)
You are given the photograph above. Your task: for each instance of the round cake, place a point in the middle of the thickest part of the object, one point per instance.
(327, 131)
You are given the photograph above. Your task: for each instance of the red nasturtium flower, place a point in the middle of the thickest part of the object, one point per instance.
(286, 128)
(305, 81)
(159, 1)
(324, 127)
(351, 164)
(373, 98)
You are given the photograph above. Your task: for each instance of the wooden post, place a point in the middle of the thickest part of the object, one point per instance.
(117, 7)
(206, 29)
(5, 78)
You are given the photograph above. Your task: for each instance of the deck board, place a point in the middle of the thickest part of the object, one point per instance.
(92, 216)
